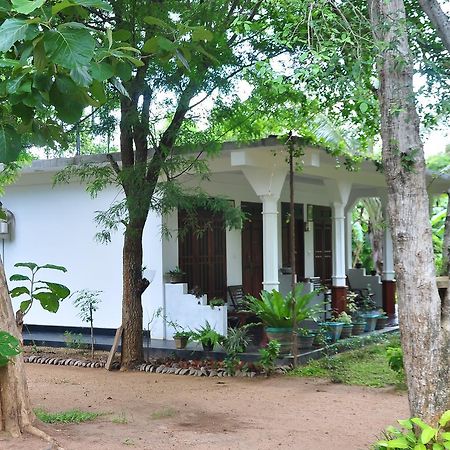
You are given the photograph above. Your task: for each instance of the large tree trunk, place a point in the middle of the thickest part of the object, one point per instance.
(439, 20)
(424, 321)
(133, 287)
(16, 415)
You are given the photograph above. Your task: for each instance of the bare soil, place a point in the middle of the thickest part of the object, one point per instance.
(153, 411)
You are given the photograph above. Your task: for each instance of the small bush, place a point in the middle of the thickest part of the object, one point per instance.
(268, 356)
(427, 437)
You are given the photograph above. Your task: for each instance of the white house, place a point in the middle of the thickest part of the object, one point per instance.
(55, 225)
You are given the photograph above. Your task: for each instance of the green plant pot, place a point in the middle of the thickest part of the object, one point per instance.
(358, 328)
(371, 321)
(305, 342)
(381, 322)
(333, 330)
(283, 336)
(346, 330)
(180, 342)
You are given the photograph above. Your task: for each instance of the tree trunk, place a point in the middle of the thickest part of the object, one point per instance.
(424, 322)
(133, 287)
(439, 19)
(16, 415)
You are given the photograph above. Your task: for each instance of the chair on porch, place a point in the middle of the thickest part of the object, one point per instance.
(236, 294)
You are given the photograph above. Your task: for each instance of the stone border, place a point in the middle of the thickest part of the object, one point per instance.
(174, 368)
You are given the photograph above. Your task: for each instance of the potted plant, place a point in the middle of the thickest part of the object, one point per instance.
(216, 302)
(382, 321)
(181, 338)
(332, 329)
(277, 312)
(305, 338)
(207, 336)
(359, 325)
(175, 275)
(367, 310)
(347, 328)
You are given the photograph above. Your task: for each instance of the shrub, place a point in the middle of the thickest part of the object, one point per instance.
(268, 356)
(427, 437)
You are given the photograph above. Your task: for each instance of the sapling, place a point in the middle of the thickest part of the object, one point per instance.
(87, 303)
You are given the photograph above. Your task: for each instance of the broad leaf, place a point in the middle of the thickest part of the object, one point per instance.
(59, 290)
(49, 301)
(29, 265)
(27, 6)
(19, 290)
(54, 267)
(11, 31)
(19, 277)
(202, 34)
(444, 418)
(25, 305)
(427, 434)
(102, 71)
(81, 76)
(70, 46)
(10, 144)
(9, 347)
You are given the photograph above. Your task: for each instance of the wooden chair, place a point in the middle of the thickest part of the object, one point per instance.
(236, 294)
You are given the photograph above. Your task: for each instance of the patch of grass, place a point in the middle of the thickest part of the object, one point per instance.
(365, 366)
(163, 414)
(71, 416)
(121, 419)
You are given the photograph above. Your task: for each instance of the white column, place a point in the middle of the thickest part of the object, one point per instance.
(388, 256)
(338, 219)
(348, 240)
(270, 242)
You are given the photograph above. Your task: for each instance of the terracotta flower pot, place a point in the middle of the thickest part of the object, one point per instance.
(346, 330)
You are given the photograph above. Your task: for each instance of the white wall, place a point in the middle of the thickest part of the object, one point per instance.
(55, 225)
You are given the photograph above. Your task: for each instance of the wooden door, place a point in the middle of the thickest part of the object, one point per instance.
(252, 249)
(323, 264)
(202, 253)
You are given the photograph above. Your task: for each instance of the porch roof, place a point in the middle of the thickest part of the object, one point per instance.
(317, 165)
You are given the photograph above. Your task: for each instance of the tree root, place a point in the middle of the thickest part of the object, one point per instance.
(34, 431)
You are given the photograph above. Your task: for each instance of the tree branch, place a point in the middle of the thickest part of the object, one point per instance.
(439, 19)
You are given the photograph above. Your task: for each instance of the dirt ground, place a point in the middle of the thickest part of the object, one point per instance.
(153, 411)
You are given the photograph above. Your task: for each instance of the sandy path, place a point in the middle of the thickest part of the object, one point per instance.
(182, 412)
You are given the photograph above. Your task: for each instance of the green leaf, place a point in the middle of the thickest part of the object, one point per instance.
(420, 423)
(10, 63)
(11, 31)
(102, 71)
(420, 446)
(444, 418)
(25, 305)
(201, 34)
(446, 436)
(119, 86)
(59, 290)
(10, 144)
(447, 445)
(49, 301)
(406, 424)
(428, 434)
(398, 443)
(29, 265)
(121, 35)
(26, 6)
(157, 43)
(438, 447)
(9, 347)
(86, 3)
(68, 107)
(81, 76)
(54, 267)
(19, 277)
(150, 20)
(363, 107)
(98, 91)
(19, 290)
(70, 46)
